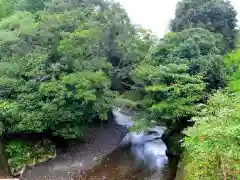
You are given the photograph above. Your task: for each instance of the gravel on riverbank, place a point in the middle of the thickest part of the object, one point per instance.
(79, 158)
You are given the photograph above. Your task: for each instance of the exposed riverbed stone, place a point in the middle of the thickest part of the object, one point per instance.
(79, 158)
(181, 172)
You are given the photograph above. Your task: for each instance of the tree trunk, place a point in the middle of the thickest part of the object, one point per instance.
(4, 168)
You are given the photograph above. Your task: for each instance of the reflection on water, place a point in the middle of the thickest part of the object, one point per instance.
(122, 164)
(145, 159)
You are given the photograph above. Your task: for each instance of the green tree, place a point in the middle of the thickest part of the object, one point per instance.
(30, 5)
(125, 45)
(217, 16)
(6, 8)
(53, 75)
(170, 93)
(198, 48)
(212, 144)
(63, 5)
(215, 134)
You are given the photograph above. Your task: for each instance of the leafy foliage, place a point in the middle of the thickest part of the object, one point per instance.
(215, 139)
(6, 8)
(215, 135)
(198, 48)
(170, 93)
(21, 154)
(60, 92)
(30, 5)
(232, 62)
(218, 16)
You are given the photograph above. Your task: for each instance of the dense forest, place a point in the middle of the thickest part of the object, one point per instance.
(64, 64)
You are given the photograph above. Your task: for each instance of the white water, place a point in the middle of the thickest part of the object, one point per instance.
(147, 147)
(122, 119)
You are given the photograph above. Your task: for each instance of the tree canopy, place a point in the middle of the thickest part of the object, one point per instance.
(198, 48)
(65, 63)
(218, 16)
(57, 67)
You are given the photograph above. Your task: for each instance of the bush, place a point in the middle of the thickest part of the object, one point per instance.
(212, 149)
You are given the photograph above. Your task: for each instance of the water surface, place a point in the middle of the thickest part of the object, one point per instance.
(122, 164)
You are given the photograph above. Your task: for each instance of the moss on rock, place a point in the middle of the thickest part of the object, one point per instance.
(22, 154)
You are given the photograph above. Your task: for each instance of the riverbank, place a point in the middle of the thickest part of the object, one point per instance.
(79, 158)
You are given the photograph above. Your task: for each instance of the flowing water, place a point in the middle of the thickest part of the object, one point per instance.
(122, 164)
(142, 156)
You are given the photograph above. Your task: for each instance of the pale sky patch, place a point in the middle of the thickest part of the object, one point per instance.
(156, 14)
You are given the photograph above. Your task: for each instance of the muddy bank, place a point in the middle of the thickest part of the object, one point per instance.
(79, 158)
(181, 172)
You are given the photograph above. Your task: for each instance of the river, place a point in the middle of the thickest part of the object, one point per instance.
(123, 165)
(103, 158)
(144, 159)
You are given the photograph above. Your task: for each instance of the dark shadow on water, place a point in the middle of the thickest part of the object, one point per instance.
(122, 165)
